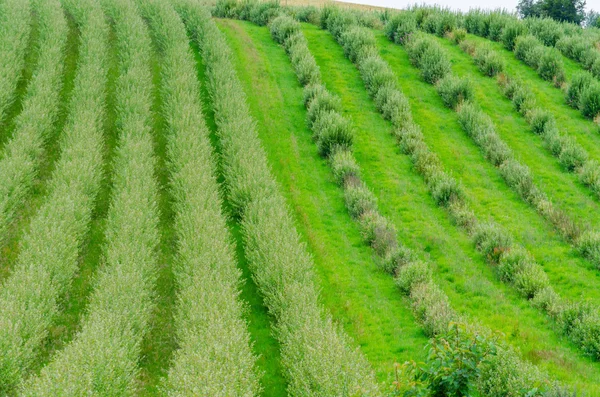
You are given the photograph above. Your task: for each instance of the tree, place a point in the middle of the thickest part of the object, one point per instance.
(592, 19)
(560, 10)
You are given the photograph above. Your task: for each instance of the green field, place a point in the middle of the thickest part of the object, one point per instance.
(171, 222)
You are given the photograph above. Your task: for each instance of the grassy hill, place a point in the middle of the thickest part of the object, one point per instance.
(246, 204)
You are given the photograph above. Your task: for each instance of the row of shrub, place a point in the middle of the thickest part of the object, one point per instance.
(318, 359)
(210, 330)
(16, 22)
(103, 356)
(515, 266)
(258, 12)
(413, 277)
(48, 259)
(35, 123)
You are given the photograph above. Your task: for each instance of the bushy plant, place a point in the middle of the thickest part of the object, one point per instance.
(550, 67)
(589, 102)
(488, 61)
(359, 199)
(322, 101)
(579, 83)
(540, 120)
(283, 27)
(589, 246)
(529, 50)
(431, 306)
(401, 27)
(589, 174)
(378, 232)
(511, 31)
(411, 274)
(458, 35)
(264, 11)
(547, 30)
(343, 166)
(511, 262)
(409, 137)
(491, 241)
(453, 90)
(572, 155)
(519, 178)
(434, 63)
(444, 188)
(311, 91)
(332, 131)
(355, 40)
(453, 363)
(376, 73)
(393, 105)
(523, 98)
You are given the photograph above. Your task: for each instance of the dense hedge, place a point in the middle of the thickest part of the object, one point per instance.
(103, 356)
(48, 260)
(317, 357)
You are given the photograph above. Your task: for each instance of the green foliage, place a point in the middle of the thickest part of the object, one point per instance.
(49, 257)
(550, 67)
(488, 61)
(431, 306)
(378, 232)
(357, 41)
(491, 241)
(444, 188)
(454, 90)
(589, 246)
(283, 27)
(411, 274)
(429, 57)
(400, 27)
(529, 50)
(323, 101)
(359, 199)
(518, 176)
(511, 31)
(589, 101)
(453, 364)
(376, 74)
(331, 132)
(343, 166)
(392, 105)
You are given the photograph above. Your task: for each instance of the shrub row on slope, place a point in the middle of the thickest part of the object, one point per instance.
(570, 154)
(15, 28)
(317, 357)
(211, 334)
(49, 250)
(531, 41)
(102, 358)
(515, 266)
(33, 126)
(413, 276)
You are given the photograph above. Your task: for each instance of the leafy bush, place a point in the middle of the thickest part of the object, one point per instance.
(589, 174)
(409, 137)
(453, 363)
(400, 28)
(411, 274)
(547, 30)
(283, 27)
(264, 11)
(355, 40)
(359, 199)
(434, 63)
(572, 155)
(518, 177)
(523, 98)
(462, 215)
(378, 232)
(540, 120)
(550, 67)
(311, 91)
(529, 50)
(491, 241)
(579, 83)
(511, 31)
(332, 131)
(393, 105)
(304, 64)
(376, 73)
(511, 262)
(488, 61)
(589, 246)
(444, 188)
(453, 90)
(322, 101)
(589, 102)
(431, 306)
(343, 166)
(458, 35)
(395, 259)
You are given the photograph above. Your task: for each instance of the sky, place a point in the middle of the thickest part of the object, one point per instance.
(462, 5)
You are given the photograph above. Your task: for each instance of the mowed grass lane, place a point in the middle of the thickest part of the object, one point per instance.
(362, 298)
(463, 273)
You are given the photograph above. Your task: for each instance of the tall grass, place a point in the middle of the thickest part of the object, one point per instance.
(214, 356)
(15, 28)
(317, 356)
(29, 298)
(33, 126)
(102, 358)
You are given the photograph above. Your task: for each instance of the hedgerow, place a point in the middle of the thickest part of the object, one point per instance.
(579, 83)
(48, 260)
(589, 101)
(35, 124)
(15, 20)
(413, 277)
(454, 90)
(427, 55)
(400, 27)
(488, 61)
(316, 356)
(103, 355)
(210, 329)
(331, 132)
